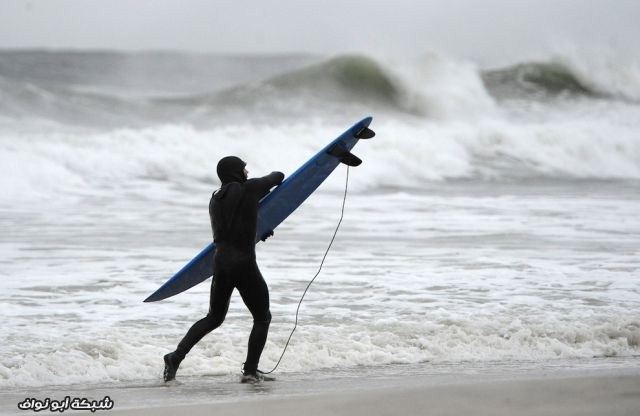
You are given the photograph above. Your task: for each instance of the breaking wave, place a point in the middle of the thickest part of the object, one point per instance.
(46, 165)
(437, 87)
(327, 86)
(536, 79)
(347, 78)
(443, 118)
(123, 356)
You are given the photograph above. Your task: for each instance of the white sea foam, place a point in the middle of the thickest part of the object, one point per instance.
(603, 68)
(46, 165)
(476, 229)
(443, 88)
(412, 277)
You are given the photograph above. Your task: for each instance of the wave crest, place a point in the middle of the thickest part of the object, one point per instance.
(434, 88)
(331, 84)
(536, 79)
(354, 76)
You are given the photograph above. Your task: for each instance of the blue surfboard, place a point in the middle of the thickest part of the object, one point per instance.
(277, 205)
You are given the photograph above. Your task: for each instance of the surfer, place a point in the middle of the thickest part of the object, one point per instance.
(233, 210)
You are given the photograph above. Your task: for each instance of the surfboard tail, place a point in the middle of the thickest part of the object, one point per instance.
(365, 133)
(344, 155)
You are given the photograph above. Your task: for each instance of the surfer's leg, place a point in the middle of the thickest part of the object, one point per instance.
(255, 294)
(221, 290)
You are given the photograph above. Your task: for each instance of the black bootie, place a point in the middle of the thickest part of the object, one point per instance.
(171, 364)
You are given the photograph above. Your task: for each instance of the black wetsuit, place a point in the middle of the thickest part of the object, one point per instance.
(233, 210)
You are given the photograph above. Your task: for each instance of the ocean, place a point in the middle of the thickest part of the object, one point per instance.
(494, 220)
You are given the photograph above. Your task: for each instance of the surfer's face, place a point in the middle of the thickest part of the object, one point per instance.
(246, 173)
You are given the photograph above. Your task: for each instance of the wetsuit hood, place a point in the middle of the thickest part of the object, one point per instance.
(231, 169)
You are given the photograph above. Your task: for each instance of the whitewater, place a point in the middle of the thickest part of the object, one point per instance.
(493, 220)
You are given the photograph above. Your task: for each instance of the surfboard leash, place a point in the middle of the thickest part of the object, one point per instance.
(295, 325)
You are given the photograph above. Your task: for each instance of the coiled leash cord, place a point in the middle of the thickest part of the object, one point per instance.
(295, 325)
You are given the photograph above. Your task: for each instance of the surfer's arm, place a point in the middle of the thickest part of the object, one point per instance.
(261, 186)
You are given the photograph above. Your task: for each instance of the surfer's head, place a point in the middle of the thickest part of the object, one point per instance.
(231, 169)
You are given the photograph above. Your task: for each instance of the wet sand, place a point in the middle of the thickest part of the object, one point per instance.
(587, 395)
(608, 387)
(600, 395)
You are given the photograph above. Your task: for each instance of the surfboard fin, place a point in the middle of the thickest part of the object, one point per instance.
(345, 156)
(365, 133)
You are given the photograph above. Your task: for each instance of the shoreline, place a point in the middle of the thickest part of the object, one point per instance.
(586, 395)
(610, 387)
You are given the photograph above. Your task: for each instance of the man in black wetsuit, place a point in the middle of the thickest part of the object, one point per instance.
(233, 210)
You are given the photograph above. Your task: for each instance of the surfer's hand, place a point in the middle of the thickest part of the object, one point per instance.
(267, 235)
(279, 175)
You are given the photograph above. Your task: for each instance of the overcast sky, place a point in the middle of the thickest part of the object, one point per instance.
(483, 30)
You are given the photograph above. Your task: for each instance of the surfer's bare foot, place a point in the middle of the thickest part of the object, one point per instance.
(171, 363)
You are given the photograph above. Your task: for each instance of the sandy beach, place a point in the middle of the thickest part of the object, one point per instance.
(564, 388)
(600, 394)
